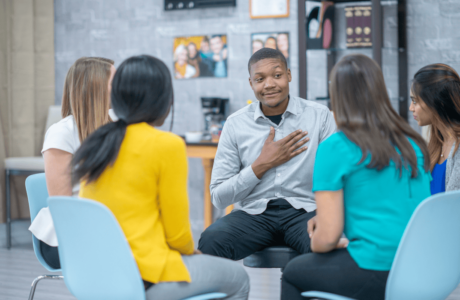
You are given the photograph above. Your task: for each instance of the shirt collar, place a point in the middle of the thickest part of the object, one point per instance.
(291, 108)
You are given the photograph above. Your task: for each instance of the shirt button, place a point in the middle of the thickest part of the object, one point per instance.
(277, 194)
(279, 174)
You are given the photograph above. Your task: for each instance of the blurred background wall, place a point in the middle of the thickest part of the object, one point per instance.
(26, 86)
(33, 64)
(118, 29)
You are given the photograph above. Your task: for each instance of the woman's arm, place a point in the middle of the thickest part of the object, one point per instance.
(327, 227)
(172, 197)
(57, 172)
(453, 178)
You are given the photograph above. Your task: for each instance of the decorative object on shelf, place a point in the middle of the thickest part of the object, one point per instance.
(193, 136)
(259, 9)
(374, 32)
(279, 41)
(193, 4)
(200, 56)
(320, 26)
(359, 24)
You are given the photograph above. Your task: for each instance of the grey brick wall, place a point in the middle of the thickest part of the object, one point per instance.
(118, 29)
(433, 35)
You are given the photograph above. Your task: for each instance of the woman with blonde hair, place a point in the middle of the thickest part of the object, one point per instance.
(85, 106)
(65, 103)
(435, 95)
(183, 69)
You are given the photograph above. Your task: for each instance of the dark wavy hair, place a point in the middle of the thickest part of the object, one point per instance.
(438, 86)
(363, 112)
(141, 92)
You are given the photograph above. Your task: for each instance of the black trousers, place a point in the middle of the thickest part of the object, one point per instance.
(50, 255)
(334, 272)
(240, 234)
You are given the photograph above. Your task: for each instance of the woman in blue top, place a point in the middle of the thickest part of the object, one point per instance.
(435, 95)
(368, 179)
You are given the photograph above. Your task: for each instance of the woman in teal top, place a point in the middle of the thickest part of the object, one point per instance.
(368, 179)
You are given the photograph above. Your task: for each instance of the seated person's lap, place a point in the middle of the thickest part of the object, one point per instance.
(333, 272)
(209, 274)
(240, 234)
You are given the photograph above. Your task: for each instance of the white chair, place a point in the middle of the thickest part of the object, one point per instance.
(25, 166)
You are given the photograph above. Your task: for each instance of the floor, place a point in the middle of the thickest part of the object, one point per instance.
(19, 267)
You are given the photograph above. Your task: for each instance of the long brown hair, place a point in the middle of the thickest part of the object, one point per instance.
(438, 86)
(363, 112)
(85, 94)
(65, 103)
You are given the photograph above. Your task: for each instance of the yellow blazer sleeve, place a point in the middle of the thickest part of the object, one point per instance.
(173, 199)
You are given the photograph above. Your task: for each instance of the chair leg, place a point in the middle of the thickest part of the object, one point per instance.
(36, 280)
(281, 282)
(8, 209)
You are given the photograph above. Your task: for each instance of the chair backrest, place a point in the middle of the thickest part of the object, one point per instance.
(96, 260)
(54, 116)
(427, 263)
(37, 194)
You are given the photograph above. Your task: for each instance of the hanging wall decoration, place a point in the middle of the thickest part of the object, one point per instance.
(259, 9)
(200, 56)
(359, 24)
(319, 25)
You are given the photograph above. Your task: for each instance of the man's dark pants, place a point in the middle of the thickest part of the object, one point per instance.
(240, 234)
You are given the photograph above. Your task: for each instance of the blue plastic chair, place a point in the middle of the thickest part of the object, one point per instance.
(37, 194)
(427, 263)
(96, 259)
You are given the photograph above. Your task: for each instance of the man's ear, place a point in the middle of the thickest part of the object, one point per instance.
(250, 83)
(289, 75)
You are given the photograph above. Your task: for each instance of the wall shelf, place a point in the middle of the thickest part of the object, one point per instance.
(377, 50)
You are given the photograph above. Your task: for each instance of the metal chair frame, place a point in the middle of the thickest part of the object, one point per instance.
(36, 280)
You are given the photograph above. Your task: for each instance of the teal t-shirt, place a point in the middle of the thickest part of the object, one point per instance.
(377, 204)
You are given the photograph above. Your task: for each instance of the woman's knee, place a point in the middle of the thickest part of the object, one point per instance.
(296, 268)
(237, 277)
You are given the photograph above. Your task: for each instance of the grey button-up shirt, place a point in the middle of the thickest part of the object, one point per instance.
(242, 139)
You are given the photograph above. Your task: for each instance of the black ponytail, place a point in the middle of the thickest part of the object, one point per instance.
(141, 92)
(98, 151)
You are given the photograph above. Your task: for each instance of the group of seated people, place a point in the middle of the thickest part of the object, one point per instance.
(339, 188)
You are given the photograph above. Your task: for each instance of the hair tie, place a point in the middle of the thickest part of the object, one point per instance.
(122, 122)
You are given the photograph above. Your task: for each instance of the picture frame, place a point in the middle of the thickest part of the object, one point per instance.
(276, 40)
(263, 9)
(200, 56)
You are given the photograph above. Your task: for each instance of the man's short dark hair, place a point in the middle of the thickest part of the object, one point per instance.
(265, 53)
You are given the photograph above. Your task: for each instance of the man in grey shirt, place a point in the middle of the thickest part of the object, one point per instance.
(264, 162)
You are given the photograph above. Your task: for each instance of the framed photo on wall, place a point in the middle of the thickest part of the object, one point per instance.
(274, 40)
(259, 9)
(200, 56)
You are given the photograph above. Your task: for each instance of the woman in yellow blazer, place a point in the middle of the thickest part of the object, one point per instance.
(140, 174)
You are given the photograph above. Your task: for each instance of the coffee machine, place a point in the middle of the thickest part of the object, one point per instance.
(215, 111)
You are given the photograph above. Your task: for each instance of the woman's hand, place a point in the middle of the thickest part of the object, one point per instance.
(326, 228)
(343, 243)
(311, 226)
(196, 252)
